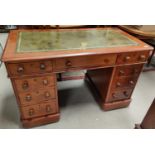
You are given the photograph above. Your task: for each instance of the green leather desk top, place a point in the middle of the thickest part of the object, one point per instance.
(42, 41)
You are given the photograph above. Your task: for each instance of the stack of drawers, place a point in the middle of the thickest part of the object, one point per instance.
(126, 75)
(124, 81)
(35, 88)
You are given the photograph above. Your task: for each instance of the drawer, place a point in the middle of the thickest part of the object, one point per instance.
(127, 58)
(119, 95)
(32, 84)
(42, 109)
(124, 82)
(82, 62)
(28, 68)
(33, 97)
(129, 70)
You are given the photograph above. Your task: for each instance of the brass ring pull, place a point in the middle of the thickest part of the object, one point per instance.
(31, 112)
(28, 98)
(114, 95)
(131, 82)
(45, 82)
(68, 63)
(20, 69)
(127, 58)
(121, 72)
(118, 84)
(47, 94)
(142, 57)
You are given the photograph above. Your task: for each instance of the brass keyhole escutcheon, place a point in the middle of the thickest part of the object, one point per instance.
(48, 108)
(42, 66)
(125, 93)
(25, 85)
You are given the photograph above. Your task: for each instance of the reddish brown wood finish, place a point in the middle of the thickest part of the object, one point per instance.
(114, 86)
(84, 62)
(113, 72)
(29, 68)
(10, 54)
(29, 123)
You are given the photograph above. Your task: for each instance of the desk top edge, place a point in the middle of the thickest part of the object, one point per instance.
(9, 52)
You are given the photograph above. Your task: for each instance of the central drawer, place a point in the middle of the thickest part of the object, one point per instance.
(84, 62)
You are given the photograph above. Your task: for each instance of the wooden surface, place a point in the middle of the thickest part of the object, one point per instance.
(112, 71)
(10, 53)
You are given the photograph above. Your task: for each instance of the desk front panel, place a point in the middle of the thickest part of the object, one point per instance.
(84, 62)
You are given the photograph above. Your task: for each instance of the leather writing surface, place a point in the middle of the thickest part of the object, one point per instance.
(70, 40)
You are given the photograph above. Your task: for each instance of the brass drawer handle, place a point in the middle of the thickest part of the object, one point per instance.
(47, 95)
(121, 72)
(20, 69)
(142, 57)
(131, 82)
(48, 108)
(25, 85)
(118, 84)
(45, 82)
(28, 98)
(31, 112)
(127, 58)
(68, 63)
(42, 66)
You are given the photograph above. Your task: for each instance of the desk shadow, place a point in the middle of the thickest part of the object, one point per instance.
(10, 110)
(75, 96)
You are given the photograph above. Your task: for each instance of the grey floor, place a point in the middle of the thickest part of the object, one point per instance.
(78, 106)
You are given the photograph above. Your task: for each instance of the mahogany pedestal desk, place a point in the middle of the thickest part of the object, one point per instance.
(113, 60)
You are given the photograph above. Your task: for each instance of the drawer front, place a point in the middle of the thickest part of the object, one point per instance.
(43, 109)
(124, 82)
(33, 97)
(28, 68)
(127, 58)
(130, 70)
(33, 84)
(119, 95)
(63, 64)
